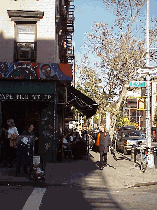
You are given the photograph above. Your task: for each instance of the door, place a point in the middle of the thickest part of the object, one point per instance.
(46, 134)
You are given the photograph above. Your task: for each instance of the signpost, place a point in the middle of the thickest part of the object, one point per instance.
(137, 84)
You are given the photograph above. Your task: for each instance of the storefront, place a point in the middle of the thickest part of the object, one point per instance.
(29, 95)
(35, 102)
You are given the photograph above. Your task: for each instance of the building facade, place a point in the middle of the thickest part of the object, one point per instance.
(36, 70)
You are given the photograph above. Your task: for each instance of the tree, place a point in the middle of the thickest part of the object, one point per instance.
(90, 84)
(120, 49)
(121, 121)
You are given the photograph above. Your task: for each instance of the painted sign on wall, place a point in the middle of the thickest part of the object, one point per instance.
(30, 70)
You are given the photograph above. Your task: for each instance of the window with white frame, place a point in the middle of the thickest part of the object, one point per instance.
(25, 42)
(25, 45)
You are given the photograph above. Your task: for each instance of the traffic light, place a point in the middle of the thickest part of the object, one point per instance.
(142, 103)
(132, 103)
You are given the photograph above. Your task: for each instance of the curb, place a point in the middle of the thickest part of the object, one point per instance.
(143, 184)
(23, 183)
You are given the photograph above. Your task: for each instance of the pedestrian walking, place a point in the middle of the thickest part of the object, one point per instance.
(103, 147)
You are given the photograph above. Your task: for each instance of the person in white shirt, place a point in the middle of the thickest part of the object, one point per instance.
(12, 133)
(65, 143)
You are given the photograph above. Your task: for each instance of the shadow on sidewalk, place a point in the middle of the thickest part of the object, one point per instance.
(76, 185)
(73, 185)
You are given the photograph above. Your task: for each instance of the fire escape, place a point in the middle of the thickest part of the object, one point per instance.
(66, 29)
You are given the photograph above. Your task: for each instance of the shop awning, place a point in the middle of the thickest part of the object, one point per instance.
(83, 103)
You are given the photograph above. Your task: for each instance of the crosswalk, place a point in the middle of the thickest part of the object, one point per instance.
(92, 187)
(94, 190)
(35, 199)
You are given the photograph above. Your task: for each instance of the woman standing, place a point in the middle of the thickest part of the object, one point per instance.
(12, 133)
(23, 158)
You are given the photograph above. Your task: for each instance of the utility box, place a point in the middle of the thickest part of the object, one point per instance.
(25, 150)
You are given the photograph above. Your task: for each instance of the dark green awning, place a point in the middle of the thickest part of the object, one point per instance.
(26, 87)
(83, 103)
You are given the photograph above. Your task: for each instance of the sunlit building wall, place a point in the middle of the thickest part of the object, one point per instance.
(47, 49)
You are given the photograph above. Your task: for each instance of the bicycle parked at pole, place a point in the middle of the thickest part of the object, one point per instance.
(141, 158)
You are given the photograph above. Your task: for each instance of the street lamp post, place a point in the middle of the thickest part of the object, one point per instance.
(150, 158)
(139, 123)
(147, 72)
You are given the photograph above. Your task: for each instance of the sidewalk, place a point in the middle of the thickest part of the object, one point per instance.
(125, 174)
(86, 173)
(118, 174)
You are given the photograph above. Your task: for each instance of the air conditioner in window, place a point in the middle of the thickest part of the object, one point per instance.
(24, 54)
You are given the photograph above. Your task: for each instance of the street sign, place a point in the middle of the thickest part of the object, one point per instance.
(137, 84)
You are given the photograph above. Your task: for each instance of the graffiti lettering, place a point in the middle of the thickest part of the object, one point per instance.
(6, 97)
(35, 97)
(22, 97)
(30, 97)
(47, 97)
(28, 70)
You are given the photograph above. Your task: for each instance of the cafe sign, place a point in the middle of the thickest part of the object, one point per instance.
(25, 97)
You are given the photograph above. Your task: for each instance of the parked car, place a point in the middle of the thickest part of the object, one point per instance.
(127, 138)
(127, 127)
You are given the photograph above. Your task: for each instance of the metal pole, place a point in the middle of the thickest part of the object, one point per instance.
(139, 122)
(74, 68)
(81, 122)
(150, 157)
(129, 113)
(78, 122)
(148, 128)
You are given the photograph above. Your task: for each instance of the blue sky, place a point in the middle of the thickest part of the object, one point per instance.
(88, 12)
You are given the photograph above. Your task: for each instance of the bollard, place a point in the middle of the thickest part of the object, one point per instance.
(150, 158)
(133, 154)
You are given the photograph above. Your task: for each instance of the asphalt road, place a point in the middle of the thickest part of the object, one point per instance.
(75, 197)
(142, 198)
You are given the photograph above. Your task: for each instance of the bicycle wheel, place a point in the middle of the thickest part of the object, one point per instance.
(143, 166)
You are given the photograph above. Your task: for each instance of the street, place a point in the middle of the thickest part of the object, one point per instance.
(75, 197)
(137, 198)
(79, 185)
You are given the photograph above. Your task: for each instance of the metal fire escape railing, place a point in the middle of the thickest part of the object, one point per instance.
(67, 29)
(70, 30)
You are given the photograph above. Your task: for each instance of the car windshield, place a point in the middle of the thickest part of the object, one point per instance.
(134, 133)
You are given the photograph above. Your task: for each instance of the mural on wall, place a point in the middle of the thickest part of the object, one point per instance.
(30, 70)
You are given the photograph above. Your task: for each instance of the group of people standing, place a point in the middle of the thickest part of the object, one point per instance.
(76, 143)
(10, 142)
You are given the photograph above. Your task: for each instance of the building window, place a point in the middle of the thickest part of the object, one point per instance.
(25, 46)
(25, 42)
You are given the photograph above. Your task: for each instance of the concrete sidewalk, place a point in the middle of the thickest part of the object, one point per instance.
(86, 173)
(123, 173)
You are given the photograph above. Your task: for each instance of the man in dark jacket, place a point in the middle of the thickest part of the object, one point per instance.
(103, 147)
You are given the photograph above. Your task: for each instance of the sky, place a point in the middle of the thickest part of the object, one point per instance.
(88, 12)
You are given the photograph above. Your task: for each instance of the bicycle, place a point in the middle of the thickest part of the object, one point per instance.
(113, 152)
(143, 158)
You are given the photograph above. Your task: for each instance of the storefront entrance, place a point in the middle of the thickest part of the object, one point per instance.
(40, 114)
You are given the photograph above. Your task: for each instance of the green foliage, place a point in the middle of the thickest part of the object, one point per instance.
(117, 50)
(121, 121)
